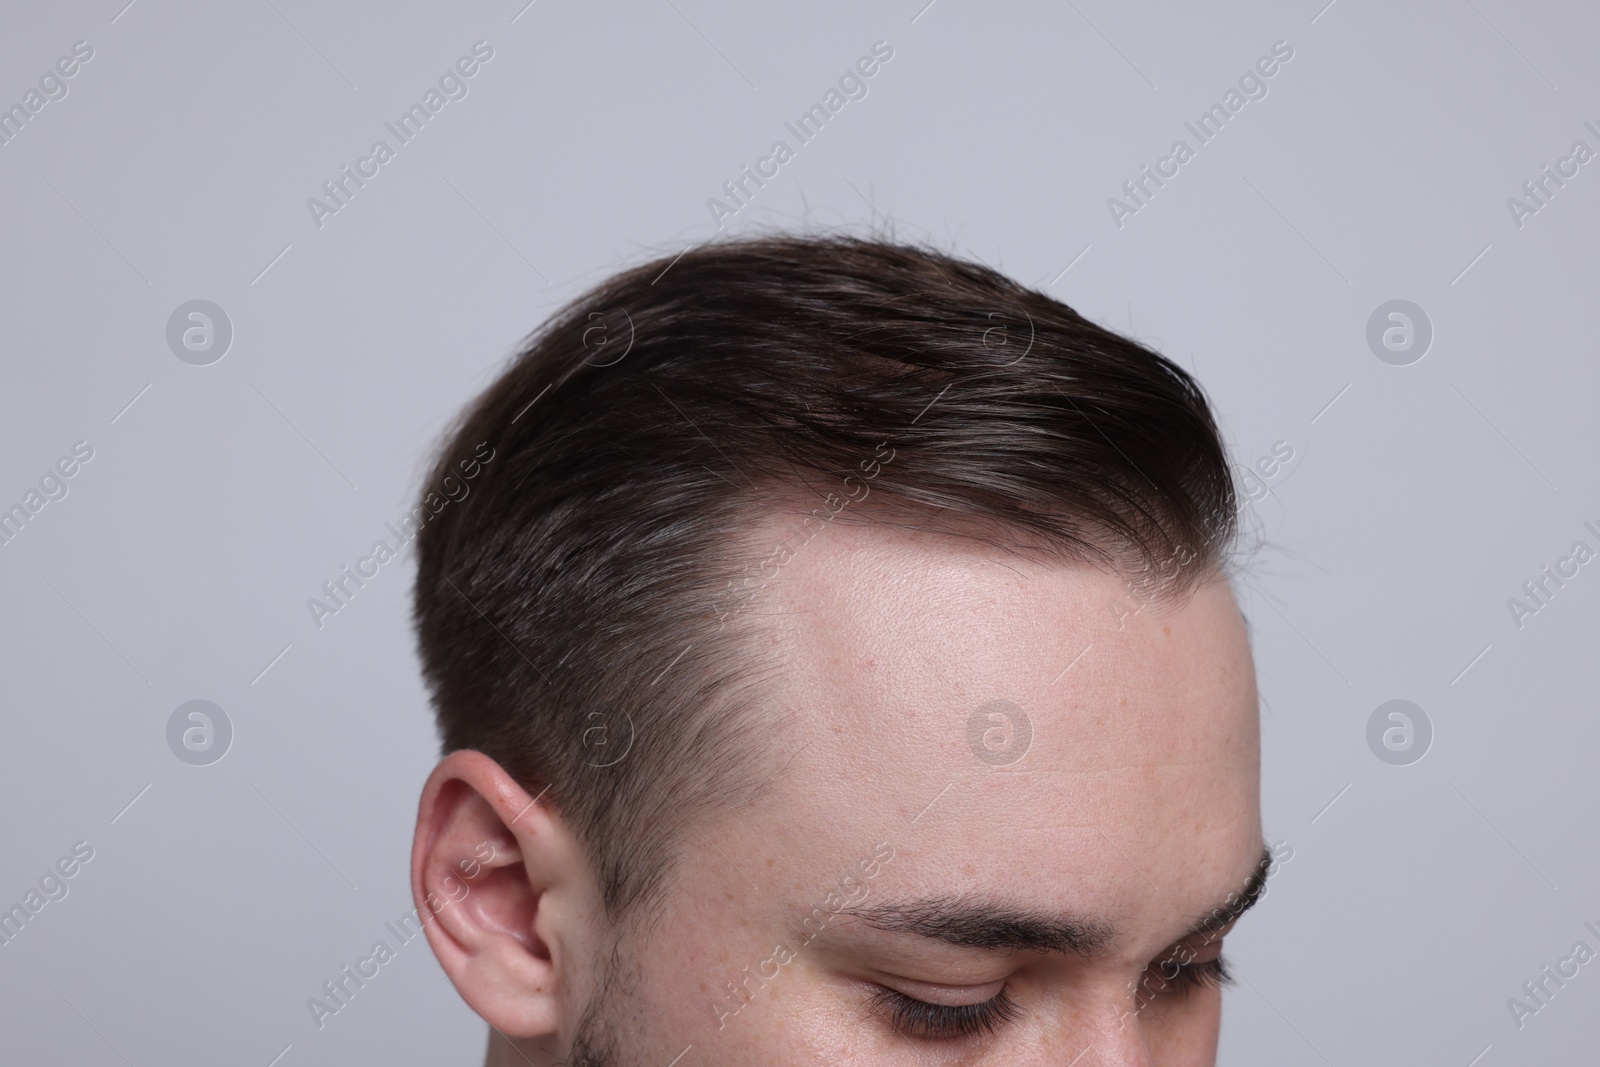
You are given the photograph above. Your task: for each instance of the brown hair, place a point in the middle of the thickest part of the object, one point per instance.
(573, 607)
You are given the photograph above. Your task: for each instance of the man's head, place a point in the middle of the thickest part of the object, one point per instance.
(831, 623)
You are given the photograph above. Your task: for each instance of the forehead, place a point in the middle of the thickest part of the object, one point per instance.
(1014, 723)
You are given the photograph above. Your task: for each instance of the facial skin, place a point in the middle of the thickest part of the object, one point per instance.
(1132, 815)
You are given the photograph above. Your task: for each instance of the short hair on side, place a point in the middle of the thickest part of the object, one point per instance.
(572, 608)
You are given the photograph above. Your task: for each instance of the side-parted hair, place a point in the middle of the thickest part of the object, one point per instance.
(573, 612)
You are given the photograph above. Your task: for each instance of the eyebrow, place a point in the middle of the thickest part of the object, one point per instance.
(970, 923)
(974, 924)
(1243, 899)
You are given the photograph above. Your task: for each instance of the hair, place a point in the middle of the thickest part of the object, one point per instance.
(572, 612)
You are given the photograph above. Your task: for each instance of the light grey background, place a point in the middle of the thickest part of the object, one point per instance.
(1378, 167)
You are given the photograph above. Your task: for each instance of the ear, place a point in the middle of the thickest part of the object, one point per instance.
(502, 890)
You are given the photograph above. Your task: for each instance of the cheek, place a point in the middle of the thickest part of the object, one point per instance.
(681, 990)
(808, 1019)
(1182, 1030)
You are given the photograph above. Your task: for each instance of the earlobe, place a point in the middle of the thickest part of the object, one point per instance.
(497, 880)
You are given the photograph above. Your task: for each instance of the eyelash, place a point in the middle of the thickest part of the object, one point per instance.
(1192, 976)
(918, 1018)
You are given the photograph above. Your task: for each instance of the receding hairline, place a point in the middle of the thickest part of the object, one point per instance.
(776, 517)
(791, 353)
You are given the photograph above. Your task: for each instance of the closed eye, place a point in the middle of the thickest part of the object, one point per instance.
(920, 1019)
(1189, 977)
